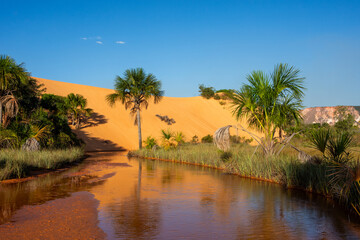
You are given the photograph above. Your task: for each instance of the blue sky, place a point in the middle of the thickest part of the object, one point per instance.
(187, 43)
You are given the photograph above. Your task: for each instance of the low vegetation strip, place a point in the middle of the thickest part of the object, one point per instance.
(284, 169)
(15, 163)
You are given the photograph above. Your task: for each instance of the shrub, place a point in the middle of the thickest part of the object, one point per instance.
(195, 139)
(216, 97)
(169, 143)
(207, 139)
(168, 139)
(179, 137)
(150, 142)
(226, 94)
(206, 92)
(235, 139)
(166, 134)
(319, 139)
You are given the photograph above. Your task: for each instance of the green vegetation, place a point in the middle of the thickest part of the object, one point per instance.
(15, 163)
(31, 120)
(195, 139)
(345, 120)
(207, 139)
(210, 92)
(134, 90)
(225, 94)
(270, 103)
(75, 105)
(179, 137)
(150, 142)
(26, 113)
(206, 92)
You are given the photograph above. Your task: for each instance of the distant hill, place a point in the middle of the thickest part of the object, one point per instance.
(327, 114)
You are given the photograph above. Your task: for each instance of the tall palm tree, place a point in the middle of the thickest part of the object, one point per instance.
(11, 76)
(269, 102)
(76, 105)
(134, 90)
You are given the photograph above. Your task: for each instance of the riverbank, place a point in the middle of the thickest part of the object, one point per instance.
(333, 180)
(283, 169)
(15, 163)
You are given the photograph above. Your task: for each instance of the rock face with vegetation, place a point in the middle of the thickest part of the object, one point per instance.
(329, 115)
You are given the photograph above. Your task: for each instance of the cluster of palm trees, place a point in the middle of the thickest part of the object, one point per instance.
(14, 76)
(76, 108)
(27, 114)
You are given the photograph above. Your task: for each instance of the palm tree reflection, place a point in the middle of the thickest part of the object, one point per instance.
(135, 217)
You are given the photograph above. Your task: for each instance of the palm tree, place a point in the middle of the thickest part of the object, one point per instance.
(11, 76)
(270, 102)
(76, 106)
(134, 90)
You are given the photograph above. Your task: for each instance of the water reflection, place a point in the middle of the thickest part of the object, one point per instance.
(49, 187)
(164, 200)
(140, 199)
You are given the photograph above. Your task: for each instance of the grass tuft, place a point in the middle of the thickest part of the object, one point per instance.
(15, 163)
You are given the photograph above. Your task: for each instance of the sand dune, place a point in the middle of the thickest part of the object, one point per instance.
(113, 127)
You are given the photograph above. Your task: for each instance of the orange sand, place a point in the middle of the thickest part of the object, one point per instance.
(115, 128)
(74, 217)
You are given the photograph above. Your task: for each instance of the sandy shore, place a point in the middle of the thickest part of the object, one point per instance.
(73, 217)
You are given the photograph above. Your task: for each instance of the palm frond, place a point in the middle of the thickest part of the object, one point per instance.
(40, 133)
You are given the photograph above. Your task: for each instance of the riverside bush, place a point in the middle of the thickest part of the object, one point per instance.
(207, 139)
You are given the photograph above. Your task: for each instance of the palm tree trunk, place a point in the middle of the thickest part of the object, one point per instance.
(1, 124)
(139, 128)
(0, 113)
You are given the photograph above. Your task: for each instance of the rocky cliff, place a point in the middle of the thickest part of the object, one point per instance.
(327, 114)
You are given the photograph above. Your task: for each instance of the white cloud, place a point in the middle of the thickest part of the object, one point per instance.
(91, 38)
(99, 42)
(120, 42)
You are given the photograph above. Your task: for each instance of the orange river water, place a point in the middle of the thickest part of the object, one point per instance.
(109, 196)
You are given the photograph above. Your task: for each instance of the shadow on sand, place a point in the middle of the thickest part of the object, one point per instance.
(95, 119)
(96, 144)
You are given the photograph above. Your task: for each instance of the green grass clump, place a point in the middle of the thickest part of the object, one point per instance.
(15, 163)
